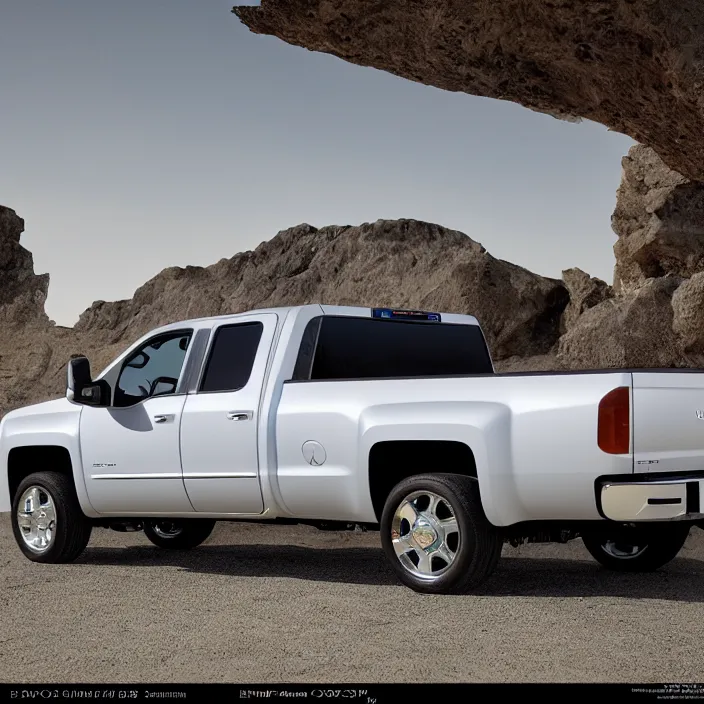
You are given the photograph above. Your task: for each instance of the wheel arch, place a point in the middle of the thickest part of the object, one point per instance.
(56, 453)
(391, 461)
(471, 438)
(28, 459)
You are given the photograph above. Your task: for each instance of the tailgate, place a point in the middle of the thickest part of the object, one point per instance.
(668, 420)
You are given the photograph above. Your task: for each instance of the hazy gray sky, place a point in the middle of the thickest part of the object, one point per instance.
(143, 134)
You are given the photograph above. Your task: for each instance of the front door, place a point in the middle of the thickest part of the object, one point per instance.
(219, 433)
(130, 451)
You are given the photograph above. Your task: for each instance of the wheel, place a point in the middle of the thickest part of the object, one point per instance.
(47, 520)
(178, 534)
(642, 548)
(436, 535)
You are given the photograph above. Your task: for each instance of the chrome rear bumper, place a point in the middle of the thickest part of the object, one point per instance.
(661, 500)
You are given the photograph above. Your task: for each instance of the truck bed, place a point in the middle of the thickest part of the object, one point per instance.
(533, 435)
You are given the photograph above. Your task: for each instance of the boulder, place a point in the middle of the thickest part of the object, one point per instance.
(627, 331)
(585, 292)
(688, 318)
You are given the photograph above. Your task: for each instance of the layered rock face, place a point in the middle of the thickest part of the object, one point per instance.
(659, 220)
(636, 66)
(631, 330)
(653, 316)
(402, 263)
(22, 292)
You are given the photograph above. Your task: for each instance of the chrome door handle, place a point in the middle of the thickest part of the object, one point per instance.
(239, 415)
(164, 418)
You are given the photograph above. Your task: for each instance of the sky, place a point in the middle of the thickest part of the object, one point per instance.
(141, 134)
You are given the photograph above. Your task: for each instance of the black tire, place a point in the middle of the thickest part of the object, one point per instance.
(478, 545)
(71, 528)
(178, 533)
(652, 546)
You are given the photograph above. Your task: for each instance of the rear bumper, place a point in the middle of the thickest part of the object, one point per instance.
(679, 498)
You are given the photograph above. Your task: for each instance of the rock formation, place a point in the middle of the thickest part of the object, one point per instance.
(585, 292)
(401, 263)
(688, 318)
(631, 330)
(22, 292)
(636, 66)
(659, 220)
(653, 316)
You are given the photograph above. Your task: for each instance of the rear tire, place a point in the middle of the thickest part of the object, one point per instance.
(436, 535)
(178, 534)
(637, 549)
(47, 520)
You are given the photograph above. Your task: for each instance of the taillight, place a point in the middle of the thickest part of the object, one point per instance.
(614, 431)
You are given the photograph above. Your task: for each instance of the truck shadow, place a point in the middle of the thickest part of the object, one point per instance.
(682, 580)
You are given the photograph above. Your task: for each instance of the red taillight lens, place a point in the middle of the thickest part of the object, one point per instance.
(614, 428)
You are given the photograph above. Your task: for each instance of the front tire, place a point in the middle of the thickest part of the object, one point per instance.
(637, 549)
(47, 520)
(436, 535)
(178, 534)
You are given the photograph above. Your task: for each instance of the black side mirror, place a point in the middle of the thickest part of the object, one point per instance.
(78, 373)
(80, 388)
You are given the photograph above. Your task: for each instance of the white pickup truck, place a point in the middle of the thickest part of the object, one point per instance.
(343, 417)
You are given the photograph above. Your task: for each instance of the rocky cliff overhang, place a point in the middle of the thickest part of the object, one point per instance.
(636, 66)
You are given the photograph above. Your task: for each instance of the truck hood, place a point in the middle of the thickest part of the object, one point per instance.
(56, 406)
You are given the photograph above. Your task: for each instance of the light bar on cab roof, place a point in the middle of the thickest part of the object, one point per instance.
(394, 314)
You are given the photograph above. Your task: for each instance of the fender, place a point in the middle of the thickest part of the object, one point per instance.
(54, 423)
(484, 427)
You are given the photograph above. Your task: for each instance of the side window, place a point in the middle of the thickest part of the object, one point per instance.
(153, 370)
(232, 357)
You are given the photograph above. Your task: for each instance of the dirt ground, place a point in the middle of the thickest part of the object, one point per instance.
(281, 604)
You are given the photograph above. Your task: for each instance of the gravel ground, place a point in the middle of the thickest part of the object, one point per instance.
(282, 604)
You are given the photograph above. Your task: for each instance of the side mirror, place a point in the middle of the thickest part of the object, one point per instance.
(80, 388)
(78, 373)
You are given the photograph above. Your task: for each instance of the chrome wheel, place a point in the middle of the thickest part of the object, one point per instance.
(425, 535)
(623, 551)
(167, 529)
(36, 519)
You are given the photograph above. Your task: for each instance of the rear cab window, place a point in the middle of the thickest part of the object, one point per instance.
(341, 347)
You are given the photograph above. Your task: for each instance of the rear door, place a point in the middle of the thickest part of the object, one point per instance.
(668, 421)
(219, 428)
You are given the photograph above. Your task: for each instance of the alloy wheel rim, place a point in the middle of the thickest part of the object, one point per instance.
(623, 551)
(36, 519)
(167, 529)
(425, 535)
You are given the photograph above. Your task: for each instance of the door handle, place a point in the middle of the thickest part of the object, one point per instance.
(164, 418)
(239, 415)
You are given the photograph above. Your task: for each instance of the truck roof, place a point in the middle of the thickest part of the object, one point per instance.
(325, 310)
